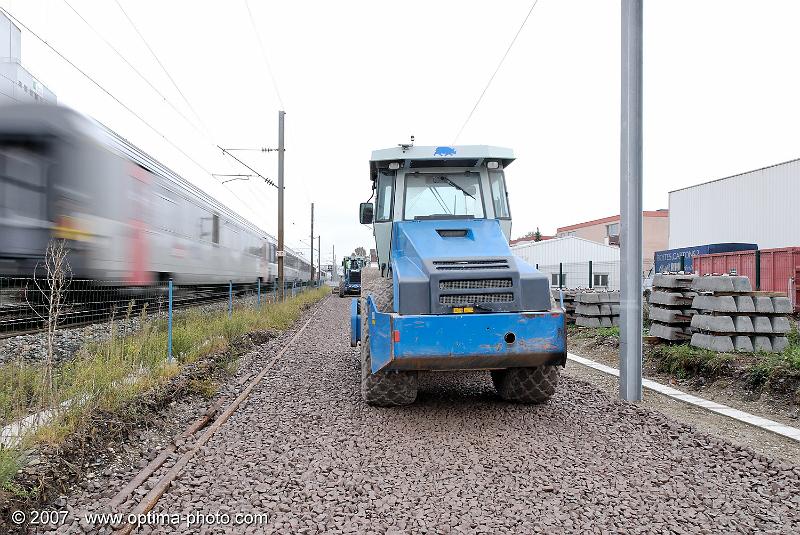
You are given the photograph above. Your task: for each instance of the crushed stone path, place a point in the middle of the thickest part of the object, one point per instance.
(306, 451)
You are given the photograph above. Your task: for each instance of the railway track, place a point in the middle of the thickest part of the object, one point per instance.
(20, 317)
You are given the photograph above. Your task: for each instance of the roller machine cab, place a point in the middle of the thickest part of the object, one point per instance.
(447, 293)
(350, 284)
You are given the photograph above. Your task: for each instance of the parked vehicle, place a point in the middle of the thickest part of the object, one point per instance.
(448, 293)
(680, 259)
(350, 284)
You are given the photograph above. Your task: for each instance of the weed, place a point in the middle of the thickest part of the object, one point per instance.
(106, 376)
(685, 361)
(204, 388)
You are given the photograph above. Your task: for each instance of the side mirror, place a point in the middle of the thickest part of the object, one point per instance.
(365, 213)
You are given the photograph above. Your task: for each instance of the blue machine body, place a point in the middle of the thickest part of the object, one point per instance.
(670, 260)
(463, 341)
(522, 332)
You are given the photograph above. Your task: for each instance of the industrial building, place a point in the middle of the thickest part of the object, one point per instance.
(655, 232)
(16, 83)
(758, 207)
(574, 259)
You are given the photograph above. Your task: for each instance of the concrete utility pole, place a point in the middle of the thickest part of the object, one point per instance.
(281, 252)
(334, 272)
(319, 261)
(630, 366)
(312, 241)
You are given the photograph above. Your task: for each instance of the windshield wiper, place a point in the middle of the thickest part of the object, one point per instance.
(465, 192)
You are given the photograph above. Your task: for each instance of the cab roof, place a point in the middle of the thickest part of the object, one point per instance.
(438, 156)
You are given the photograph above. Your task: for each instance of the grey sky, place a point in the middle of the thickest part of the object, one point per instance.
(720, 94)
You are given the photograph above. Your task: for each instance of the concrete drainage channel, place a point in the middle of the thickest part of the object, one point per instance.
(305, 452)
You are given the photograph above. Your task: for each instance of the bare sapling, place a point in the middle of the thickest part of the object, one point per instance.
(51, 278)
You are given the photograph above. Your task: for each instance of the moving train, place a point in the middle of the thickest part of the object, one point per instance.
(126, 217)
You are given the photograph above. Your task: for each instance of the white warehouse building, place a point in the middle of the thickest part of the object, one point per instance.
(570, 256)
(758, 207)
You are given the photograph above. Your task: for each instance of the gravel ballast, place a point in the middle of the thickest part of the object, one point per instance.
(308, 452)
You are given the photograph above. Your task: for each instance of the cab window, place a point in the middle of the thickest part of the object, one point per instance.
(499, 195)
(385, 197)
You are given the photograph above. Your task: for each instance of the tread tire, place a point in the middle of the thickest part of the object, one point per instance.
(526, 385)
(385, 388)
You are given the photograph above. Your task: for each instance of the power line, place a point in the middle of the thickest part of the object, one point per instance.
(264, 53)
(511, 44)
(134, 69)
(183, 96)
(163, 68)
(103, 89)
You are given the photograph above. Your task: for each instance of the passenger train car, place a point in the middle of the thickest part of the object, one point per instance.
(127, 218)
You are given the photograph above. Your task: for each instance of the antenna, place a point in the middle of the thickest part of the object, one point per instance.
(406, 146)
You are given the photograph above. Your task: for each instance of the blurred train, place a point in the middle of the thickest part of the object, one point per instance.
(126, 217)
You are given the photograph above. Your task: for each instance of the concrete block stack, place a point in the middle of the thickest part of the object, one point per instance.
(569, 302)
(671, 307)
(596, 309)
(731, 317)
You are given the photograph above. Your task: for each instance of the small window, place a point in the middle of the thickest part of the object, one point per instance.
(600, 280)
(215, 229)
(499, 195)
(612, 230)
(385, 196)
(554, 279)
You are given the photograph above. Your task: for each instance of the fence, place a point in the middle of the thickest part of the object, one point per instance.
(589, 274)
(28, 305)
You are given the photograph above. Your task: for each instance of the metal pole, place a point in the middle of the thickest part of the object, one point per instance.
(169, 324)
(630, 376)
(319, 259)
(280, 205)
(230, 299)
(758, 269)
(258, 302)
(312, 242)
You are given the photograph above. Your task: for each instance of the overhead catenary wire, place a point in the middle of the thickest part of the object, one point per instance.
(491, 78)
(163, 68)
(102, 88)
(144, 78)
(183, 96)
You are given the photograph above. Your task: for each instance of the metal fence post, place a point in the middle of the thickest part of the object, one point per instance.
(560, 274)
(230, 299)
(258, 300)
(590, 273)
(169, 323)
(758, 270)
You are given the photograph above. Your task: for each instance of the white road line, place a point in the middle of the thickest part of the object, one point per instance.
(751, 419)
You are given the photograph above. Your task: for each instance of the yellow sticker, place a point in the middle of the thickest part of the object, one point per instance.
(469, 310)
(458, 310)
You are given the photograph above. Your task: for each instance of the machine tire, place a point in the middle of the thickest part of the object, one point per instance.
(341, 288)
(385, 388)
(526, 385)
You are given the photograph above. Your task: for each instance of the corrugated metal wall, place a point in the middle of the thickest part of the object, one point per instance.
(761, 207)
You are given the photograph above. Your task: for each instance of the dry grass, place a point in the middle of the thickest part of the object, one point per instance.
(106, 376)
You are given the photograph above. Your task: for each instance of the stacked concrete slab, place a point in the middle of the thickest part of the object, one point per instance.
(569, 302)
(596, 309)
(731, 317)
(671, 306)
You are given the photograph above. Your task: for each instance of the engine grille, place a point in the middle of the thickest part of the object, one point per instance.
(477, 284)
(470, 264)
(475, 299)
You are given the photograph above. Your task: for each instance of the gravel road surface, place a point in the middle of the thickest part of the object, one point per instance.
(306, 450)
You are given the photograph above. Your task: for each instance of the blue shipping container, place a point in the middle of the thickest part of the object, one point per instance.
(670, 260)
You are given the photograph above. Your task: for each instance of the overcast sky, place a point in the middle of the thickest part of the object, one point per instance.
(720, 94)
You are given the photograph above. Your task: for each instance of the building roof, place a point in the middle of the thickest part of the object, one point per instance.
(529, 238)
(611, 219)
(737, 174)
